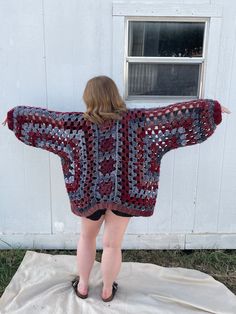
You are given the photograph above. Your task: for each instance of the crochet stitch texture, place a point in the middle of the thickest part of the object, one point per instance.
(115, 165)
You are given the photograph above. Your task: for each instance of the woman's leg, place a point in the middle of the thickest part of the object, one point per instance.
(86, 250)
(114, 230)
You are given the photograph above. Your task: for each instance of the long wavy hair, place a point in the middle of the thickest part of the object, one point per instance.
(103, 100)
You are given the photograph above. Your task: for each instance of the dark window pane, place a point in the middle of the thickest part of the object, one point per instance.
(163, 79)
(165, 39)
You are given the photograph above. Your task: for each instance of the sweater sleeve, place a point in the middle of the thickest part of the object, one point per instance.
(189, 123)
(43, 128)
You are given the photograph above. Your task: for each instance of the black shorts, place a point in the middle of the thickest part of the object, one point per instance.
(97, 215)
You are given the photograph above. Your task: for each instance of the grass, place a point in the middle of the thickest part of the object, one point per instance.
(220, 264)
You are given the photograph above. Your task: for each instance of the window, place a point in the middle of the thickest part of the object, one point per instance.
(164, 58)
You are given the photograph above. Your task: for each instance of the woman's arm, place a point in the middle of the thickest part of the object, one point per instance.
(188, 123)
(43, 128)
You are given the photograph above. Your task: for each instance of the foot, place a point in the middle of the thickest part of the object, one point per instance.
(82, 288)
(106, 292)
(77, 286)
(109, 293)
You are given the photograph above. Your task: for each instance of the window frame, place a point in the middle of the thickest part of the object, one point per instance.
(122, 11)
(167, 60)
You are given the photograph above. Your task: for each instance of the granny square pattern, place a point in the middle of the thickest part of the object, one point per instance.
(115, 165)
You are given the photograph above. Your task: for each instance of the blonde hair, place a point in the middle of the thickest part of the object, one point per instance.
(103, 100)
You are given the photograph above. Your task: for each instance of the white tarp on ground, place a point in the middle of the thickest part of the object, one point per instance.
(42, 284)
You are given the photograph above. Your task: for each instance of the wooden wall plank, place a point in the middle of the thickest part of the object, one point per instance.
(25, 191)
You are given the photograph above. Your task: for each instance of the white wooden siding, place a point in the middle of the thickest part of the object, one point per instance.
(48, 51)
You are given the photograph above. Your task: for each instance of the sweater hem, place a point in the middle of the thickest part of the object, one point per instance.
(217, 112)
(111, 206)
(10, 119)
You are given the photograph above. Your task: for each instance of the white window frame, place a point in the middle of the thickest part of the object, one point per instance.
(168, 60)
(124, 12)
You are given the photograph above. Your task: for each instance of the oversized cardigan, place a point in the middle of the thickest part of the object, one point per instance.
(115, 165)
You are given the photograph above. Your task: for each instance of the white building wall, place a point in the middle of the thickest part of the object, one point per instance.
(48, 51)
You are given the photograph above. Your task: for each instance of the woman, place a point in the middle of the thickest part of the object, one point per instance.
(128, 141)
(102, 99)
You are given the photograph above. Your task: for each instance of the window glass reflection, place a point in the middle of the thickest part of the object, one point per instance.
(165, 39)
(163, 79)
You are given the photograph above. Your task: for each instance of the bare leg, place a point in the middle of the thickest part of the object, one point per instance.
(86, 250)
(114, 230)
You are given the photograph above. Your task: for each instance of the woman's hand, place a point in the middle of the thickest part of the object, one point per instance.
(224, 109)
(5, 121)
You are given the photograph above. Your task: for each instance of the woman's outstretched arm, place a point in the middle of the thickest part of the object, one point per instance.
(43, 128)
(188, 123)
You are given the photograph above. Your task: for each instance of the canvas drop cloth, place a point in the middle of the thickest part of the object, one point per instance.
(42, 284)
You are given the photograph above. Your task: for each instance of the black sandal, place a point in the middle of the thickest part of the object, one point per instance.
(75, 282)
(114, 289)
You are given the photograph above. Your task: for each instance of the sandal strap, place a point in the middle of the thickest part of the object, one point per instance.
(115, 285)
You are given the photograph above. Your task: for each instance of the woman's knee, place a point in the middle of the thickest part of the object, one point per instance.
(111, 243)
(114, 230)
(112, 237)
(87, 236)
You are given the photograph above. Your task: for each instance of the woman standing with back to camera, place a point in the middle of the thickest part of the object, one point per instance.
(111, 158)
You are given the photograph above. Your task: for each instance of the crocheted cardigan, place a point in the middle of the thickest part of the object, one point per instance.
(115, 165)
